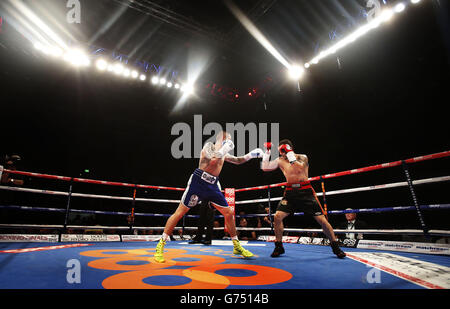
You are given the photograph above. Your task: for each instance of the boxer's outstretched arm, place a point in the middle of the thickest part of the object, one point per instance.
(255, 153)
(235, 160)
(268, 166)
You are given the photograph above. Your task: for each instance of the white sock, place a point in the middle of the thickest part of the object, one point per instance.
(165, 236)
(234, 238)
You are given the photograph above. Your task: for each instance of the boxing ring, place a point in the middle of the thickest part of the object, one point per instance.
(64, 254)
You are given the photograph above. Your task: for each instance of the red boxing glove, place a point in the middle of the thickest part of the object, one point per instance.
(286, 149)
(268, 145)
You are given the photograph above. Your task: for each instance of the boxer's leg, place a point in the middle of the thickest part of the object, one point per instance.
(219, 202)
(174, 218)
(168, 229)
(284, 209)
(228, 218)
(328, 231)
(315, 209)
(190, 198)
(279, 228)
(278, 224)
(231, 227)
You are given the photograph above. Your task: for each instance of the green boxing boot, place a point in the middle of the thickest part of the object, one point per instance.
(159, 251)
(239, 250)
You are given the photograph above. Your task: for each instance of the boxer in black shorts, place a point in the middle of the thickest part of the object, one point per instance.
(300, 198)
(299, 195)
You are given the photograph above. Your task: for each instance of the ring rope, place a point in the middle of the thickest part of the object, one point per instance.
(331, 212)
(327, 176)
(358, 170)
(360, 189)
(337, 231)
(351, 190)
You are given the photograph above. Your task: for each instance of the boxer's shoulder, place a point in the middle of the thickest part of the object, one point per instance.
(208, 145)
(302, 157)
(208, 150)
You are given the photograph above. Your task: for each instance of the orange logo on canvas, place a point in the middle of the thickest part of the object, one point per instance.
(181, 270)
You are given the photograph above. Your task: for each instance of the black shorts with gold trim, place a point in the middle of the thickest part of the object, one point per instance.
(302, 199)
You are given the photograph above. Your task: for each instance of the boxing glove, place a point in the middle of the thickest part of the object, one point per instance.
(268, 147)
(227, 146)
(287, 150)
(256, 153)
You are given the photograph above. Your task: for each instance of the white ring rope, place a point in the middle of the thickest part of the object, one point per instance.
(360, 189)
(337, 231)
(110, 197)
(352, 190)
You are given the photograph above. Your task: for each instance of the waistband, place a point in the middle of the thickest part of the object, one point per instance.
(206, 176)
(298, 186)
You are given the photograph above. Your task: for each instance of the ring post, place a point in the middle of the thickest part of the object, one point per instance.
(230, 197)
(324, 197)
(133, 204)
(182, 228)
(270, 211)
(413, 195)
(68, 204)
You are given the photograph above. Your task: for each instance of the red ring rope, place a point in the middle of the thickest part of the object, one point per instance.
(358, 170)
(327, 176)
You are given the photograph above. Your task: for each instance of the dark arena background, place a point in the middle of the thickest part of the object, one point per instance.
(106, 105)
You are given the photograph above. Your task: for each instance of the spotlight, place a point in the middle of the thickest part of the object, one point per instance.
(169, 85)
(55, 51)
(399, 7)
(142, 77)
(177, 86)
(45, 50)
(187, 89)
(386, 15)
(375, 23)
(307, 65)
(162, 81)
(77, 58)
(296, 72)
(415, 1)
(38, 46)
(126, 73)
(134, 74)
(101, 65)
(118, 68)
(358, 33)
(155, 80)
